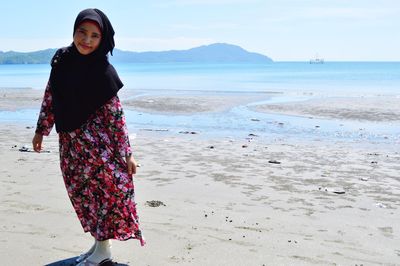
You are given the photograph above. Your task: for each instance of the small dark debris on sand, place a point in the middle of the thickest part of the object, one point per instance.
(274, 162)
(151, 129)
(188, 132)
(26, 149)
(155, 203)
(339, 191)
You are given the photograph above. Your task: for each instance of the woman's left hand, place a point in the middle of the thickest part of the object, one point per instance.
(130, 161)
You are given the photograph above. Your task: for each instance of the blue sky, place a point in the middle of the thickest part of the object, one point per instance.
(285, 30)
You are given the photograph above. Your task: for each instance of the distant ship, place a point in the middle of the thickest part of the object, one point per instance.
(316, 60)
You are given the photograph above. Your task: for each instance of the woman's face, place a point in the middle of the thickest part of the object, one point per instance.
(87, 37)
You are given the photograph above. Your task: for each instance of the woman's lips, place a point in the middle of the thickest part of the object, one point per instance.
(85, 47)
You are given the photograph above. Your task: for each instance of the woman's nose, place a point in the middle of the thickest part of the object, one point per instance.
(87, 39)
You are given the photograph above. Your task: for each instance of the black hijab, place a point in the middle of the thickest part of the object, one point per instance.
(81, 84)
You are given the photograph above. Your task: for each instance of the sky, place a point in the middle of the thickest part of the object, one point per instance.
(285, 30)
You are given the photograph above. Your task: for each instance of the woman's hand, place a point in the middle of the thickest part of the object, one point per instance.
(37, 142)
(130, 161)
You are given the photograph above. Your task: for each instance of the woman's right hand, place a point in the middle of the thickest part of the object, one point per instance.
(37, 142)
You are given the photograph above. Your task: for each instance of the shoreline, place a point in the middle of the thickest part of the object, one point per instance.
(371, 108)
(354, 119)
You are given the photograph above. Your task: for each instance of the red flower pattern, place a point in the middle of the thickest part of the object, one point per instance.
(95, 172)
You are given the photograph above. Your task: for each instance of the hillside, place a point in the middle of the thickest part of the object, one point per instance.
(213, 53)
(37, 57)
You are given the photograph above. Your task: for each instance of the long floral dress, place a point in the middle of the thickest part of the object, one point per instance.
(95, 172)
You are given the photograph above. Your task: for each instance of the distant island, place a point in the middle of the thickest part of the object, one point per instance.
(213, 53)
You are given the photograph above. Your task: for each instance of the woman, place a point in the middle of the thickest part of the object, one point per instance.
(95, 155)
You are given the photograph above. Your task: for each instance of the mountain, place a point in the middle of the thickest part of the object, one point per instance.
(38, 57)
(213, 53)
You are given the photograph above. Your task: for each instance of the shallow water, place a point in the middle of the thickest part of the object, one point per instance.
(291, 81)
(241, 121)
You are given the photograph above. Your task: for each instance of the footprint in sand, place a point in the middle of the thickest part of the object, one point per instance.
(386, 231)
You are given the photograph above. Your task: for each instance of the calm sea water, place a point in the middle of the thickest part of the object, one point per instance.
(295, 80)
(330, 78)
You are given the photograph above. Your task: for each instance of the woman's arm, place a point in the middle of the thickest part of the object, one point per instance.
(119, 132)
(45, 121)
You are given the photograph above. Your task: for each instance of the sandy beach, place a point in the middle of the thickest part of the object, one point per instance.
(221, 201)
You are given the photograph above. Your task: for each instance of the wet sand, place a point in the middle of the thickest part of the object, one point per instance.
(189, 104)
(225, 201)
(12, 99)
(377, 108)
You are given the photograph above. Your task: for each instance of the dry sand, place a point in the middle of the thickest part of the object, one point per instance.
(227, 202)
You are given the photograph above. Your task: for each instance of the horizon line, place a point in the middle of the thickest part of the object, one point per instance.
(285, 60)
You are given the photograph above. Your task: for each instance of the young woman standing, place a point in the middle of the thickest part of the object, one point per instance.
(95, 155)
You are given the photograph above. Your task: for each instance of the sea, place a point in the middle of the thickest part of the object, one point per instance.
(271, 83)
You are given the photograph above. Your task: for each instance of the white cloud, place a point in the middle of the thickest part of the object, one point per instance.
(131, 44)
(160, 44)
(205, 2)
(350, 13)
(205, 27)
(29, 44)
(214, 2)
(329, 13)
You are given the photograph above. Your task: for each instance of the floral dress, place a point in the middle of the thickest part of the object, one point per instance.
(95, 172)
